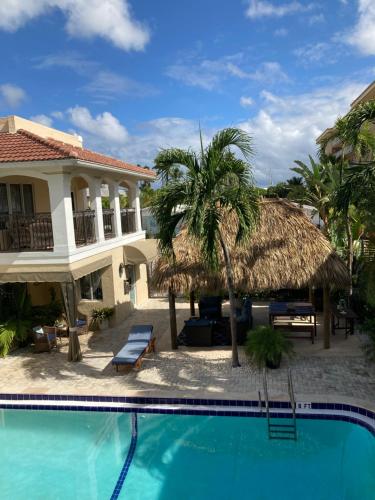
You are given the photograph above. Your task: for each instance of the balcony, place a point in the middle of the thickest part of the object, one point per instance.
(108, 223)
(128, 220)
(84, 227)
(24, 233)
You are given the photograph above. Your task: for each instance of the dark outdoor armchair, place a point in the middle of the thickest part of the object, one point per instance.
(210, 307)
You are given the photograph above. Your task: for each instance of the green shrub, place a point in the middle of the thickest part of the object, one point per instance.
(16, 329)
(265, 346)
(103, 313)
(368, 328)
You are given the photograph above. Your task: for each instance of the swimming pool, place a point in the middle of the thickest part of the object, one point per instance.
(84, 454)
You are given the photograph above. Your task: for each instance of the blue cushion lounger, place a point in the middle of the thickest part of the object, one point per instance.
(140, 342)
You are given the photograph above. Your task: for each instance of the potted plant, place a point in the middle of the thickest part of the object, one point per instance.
(101, 317)
(265, 346)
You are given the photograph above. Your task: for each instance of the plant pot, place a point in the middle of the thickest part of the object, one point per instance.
(274, 363)
(103, 324)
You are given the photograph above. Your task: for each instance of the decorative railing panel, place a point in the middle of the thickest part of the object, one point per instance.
(23, 233)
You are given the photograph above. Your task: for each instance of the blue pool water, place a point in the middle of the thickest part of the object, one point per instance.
(79, 455)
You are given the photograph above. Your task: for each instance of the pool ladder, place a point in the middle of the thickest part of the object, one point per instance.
(280, 431)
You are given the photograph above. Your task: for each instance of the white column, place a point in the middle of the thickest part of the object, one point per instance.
(62, 214)
(135, 203)
(96, 204)
(114, 201)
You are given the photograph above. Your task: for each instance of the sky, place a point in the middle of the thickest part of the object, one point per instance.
(134, 76)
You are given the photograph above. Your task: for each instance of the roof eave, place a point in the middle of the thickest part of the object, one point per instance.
(109, 168)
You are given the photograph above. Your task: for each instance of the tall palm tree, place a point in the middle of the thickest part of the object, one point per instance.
(212, 183)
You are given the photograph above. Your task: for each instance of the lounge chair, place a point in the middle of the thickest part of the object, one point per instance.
(45, 338)
(140, 342)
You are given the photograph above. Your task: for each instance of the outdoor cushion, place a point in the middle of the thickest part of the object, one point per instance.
(198, 322)
(138, 341)
(38, 330)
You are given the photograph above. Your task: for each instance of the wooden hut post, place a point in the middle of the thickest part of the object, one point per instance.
(172, 317)
(311, 295)
(326, 318)
(192, 303)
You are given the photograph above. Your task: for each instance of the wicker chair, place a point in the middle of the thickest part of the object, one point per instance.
(45, 338)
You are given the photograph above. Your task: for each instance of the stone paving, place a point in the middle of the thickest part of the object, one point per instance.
(338, 374)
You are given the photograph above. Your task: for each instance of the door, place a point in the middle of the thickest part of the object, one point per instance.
(132, 282)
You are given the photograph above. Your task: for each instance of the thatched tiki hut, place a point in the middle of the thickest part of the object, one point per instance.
(285, 251)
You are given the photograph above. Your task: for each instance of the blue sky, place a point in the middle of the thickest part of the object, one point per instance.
(134, 76)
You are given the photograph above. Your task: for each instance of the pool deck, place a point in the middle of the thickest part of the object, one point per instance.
(340, 374)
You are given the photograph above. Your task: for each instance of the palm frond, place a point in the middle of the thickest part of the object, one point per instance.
(168, 159)
(231, 137)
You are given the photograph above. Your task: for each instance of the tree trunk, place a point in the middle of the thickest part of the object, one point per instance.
(326, 318)
(192, 303)
(349, 236)
(172, 318)
(233, 324)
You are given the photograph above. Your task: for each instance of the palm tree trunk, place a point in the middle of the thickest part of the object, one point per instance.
(172, 318)
(233, 324)
(326, 318)
(192, 303)
(349, 236)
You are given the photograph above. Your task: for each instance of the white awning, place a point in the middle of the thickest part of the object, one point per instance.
(52, 273)
(141, 251)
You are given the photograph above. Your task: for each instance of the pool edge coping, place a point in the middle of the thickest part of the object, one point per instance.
(190, 406)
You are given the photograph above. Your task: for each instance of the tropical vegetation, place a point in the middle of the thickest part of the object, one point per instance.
(342, 190)
(265, 346)
(210, 183)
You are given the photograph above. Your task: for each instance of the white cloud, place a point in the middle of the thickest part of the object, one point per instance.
(316, 52)
(363, 35)
(316, 19)
(111, 20)
(246, 101)
(11, 95)
(269, 72)
(59, 115)
(206, 75)
(285, 128)
(42, 119)
(70, 60)
(106, 84)
(209, 74)
(101, 128)
(260, 8)
(281, 32)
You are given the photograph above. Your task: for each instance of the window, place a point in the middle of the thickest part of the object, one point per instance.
(16, 199)
(91, 286)
(4, 209)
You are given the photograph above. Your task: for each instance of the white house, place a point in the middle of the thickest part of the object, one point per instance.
(52, 223)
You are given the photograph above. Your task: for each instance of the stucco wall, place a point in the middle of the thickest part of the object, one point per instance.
(142, 286)
(113, 290)
(112, 285)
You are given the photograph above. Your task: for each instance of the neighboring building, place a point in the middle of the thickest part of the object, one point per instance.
(311, 213)
(149, 222)
(333, 144)
(52, 224)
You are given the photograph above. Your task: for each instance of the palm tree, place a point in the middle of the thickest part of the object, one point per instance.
(355, 133)
(320, 179)
(213, 182)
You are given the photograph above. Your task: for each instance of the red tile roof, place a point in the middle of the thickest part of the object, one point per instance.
(26, 146)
